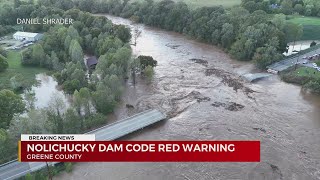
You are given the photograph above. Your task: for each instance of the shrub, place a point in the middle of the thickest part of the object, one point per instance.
(68, 167)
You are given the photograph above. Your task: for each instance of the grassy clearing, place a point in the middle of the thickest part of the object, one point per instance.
(307, 72)
(202, 3)
(15, 68)
(301, 76)
(311, 26)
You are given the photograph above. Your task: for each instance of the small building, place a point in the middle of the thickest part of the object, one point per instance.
(92, 62)
(28, 36)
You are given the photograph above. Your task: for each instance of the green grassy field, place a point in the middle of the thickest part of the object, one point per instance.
(202, 3)
(311, 26)
(15, 67)
(307, 72)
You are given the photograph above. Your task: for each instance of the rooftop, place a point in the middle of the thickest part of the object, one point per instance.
(92, 61)
(25, 34)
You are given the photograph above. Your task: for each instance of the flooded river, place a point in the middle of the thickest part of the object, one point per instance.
(198, 86)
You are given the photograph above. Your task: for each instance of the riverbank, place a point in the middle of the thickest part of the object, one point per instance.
(303, 76)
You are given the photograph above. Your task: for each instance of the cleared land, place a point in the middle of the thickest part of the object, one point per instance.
(311, 26)
(202, 3)
(15, 68)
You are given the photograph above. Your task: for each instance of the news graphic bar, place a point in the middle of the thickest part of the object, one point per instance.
(139, 151)
(58, 137)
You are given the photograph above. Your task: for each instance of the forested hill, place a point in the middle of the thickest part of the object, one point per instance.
(246, 36)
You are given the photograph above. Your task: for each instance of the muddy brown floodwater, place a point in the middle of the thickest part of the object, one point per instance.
(198, 86)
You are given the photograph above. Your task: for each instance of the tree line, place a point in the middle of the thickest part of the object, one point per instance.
(244, 34)
(288, 7)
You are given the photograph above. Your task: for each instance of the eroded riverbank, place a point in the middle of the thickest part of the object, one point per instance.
(209, 101)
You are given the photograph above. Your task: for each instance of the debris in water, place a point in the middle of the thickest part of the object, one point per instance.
(230, 106)
(229, 80)
(200, 61)
(260, 129)
(173, 46)
(129, 106)
(265, 170)
(234, 107)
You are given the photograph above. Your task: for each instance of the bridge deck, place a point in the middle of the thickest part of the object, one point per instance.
(110, 132)
(255, 76)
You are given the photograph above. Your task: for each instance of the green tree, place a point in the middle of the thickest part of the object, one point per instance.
(149, 72)
(286, 6)
(147, 61)
(68, 167)
(293, 32)
(228, 35)
(56, 65)
(250, 6)
(76, 52)
(267, 55)
(7, 147)
(73, 122)
(3, 63)
(103, 99)
(11, 104)
(38, 55)
(30, 98)
(299, 8)
(34, 122)
(72, 32)
(314, 85)
(55, 111)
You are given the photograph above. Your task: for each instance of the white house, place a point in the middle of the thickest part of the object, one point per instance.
(27, 36)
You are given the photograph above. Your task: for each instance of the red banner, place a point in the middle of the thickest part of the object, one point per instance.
(139, 151)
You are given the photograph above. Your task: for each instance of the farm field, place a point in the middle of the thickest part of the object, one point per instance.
(311, 26)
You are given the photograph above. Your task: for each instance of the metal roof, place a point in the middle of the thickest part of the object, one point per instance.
(25, 34)
(92, 61)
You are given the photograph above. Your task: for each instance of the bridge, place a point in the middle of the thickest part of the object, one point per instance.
(255, 76)
(15, 169)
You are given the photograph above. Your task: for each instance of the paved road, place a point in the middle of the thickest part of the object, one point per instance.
(110, 132)
(286, 63)
(14, 170)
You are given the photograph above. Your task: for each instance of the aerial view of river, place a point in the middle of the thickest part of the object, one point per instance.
(200, 89)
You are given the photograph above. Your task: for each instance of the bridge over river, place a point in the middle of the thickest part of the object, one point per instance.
(15, 169)
(255, 76)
